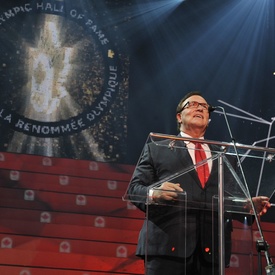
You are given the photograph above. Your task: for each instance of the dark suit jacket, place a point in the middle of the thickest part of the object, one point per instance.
(166, 226)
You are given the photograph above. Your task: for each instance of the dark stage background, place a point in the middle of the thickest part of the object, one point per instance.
(118, 69)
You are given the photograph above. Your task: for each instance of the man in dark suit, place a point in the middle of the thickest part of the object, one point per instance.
(178, 240)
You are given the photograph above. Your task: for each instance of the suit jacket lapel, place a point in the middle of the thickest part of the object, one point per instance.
(185, 159)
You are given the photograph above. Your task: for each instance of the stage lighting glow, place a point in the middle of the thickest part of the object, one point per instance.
(155, 11)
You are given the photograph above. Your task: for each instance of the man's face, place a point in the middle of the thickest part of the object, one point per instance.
(192, 117)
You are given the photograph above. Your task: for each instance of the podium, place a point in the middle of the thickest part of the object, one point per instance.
(213, 223)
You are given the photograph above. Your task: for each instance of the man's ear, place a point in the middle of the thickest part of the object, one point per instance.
(178, 116)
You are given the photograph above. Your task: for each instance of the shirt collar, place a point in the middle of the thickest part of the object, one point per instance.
(188, 136)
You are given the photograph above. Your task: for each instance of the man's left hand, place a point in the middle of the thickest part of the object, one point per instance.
(261, 204)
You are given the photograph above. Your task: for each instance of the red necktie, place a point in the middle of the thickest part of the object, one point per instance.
(203, 170)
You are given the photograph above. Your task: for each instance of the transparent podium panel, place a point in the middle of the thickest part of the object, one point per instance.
(232, 248)
(205, 228)
(166, 229)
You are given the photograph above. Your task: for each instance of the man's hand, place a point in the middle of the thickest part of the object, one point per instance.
(167, 191)
(261, 204)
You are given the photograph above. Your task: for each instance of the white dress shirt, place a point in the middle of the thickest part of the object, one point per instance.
(191, 150)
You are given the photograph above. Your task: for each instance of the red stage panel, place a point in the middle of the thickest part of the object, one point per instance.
(64, 216)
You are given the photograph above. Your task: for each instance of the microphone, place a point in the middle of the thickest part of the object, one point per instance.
(211, 108)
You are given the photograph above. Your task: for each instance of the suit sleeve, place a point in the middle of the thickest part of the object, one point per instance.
(143, 176)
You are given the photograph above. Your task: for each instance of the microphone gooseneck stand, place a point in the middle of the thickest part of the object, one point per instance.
(261, 245)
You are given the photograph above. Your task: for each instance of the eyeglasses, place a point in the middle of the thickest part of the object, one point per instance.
(194, 104)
